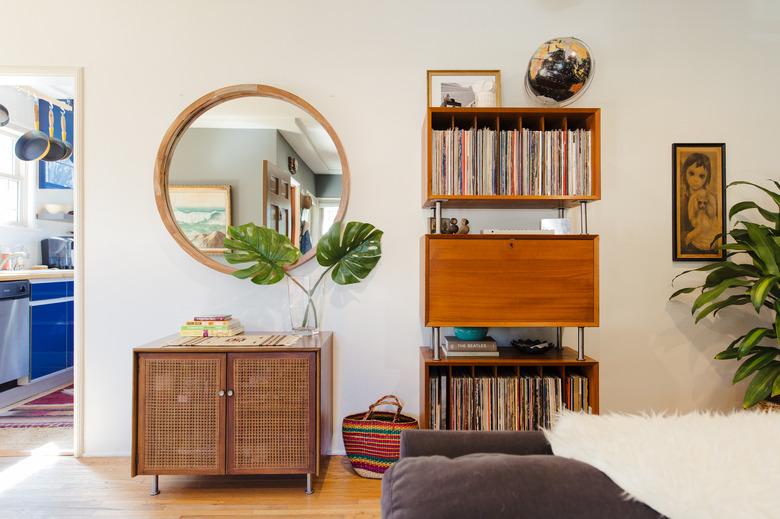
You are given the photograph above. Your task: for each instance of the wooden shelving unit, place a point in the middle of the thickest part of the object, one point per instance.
(524, 280)
(512, 119)
(556, 362)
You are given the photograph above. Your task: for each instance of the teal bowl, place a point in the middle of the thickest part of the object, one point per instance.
(471, 333)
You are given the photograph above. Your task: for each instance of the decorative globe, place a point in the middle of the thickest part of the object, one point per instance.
(559, 71)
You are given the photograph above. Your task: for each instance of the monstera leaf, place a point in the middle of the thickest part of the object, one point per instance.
(351, 255)
(267, 249)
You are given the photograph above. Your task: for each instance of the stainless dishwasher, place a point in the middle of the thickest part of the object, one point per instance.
(14, 330)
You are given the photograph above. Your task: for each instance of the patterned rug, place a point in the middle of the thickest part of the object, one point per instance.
(52, 410)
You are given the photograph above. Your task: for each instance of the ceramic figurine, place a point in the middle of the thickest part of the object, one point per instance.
(452, 228)
(464, 226)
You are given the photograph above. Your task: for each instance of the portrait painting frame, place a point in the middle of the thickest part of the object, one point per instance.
(698, 201)
(438, 78)
(208, 211)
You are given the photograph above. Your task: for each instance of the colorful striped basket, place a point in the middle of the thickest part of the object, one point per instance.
(372, 439)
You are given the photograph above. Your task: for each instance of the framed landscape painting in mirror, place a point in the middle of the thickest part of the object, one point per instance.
(698, 201)
(203, 214)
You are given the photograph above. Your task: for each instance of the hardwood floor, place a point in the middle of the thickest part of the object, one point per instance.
(66, 487)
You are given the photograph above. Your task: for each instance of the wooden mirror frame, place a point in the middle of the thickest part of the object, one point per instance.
(185, 120)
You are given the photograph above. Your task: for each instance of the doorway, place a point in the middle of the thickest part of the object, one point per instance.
(41, 258)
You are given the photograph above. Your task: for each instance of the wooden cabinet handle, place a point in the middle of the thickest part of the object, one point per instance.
(221, 393)
(230, 392)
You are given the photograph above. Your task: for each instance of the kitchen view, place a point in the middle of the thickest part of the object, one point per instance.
(36, 264)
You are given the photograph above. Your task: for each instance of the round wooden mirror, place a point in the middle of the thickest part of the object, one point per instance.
(250, 153)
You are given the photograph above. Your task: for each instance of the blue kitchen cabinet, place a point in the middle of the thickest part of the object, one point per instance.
(69, 336)
(51, 328)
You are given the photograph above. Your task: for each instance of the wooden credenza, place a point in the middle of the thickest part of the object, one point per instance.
(215, 410)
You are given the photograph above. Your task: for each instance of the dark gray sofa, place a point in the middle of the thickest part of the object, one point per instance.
(470, 474)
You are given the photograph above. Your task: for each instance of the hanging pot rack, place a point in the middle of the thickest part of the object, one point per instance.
(30, 91)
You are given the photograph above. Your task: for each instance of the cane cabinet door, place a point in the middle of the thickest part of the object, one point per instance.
(271, 413)
(181, 413)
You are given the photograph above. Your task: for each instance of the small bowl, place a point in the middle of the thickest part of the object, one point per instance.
(470, 333)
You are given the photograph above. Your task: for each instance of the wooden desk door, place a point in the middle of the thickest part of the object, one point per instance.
(181, 415)
(271, 413)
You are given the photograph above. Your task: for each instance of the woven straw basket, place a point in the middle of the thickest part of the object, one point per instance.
(372, 439)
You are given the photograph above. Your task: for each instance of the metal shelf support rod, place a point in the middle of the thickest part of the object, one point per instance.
(580, 343)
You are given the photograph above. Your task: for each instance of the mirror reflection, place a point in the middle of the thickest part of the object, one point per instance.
(254, 159)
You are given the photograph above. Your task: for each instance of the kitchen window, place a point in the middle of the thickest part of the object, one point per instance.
(14, 182)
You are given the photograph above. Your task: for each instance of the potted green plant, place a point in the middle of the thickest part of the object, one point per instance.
(348, 256)
(750, 275)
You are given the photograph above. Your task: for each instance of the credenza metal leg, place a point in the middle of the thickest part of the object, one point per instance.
(309, 484)
(580, 343)
(155, 485)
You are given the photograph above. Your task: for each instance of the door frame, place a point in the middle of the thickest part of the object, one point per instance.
(77, 73)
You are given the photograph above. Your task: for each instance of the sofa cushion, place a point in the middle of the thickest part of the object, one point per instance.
(422, 442)
(502, 485)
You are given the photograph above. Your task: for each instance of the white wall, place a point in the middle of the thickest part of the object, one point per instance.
(666, 72)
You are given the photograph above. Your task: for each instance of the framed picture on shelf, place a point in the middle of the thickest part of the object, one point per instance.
(203, 215)
(464, 88)
(698, 201)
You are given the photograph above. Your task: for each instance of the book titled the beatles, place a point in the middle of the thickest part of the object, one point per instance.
(454, 347)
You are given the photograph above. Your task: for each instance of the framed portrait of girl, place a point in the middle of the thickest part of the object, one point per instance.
(698, 201)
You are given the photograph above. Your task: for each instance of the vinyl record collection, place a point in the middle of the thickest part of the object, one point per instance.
(511, 162)
(504, 402)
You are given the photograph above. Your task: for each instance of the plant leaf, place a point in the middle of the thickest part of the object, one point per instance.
(763, 246)
(751, 339)
(708, 296)
(682, 291)
(735, 300)
(756, 361)
(761, 290)
(269, 250)
(775, 196)
(352, 255)
(776, 387)
(777, 321)
(749, 204)
(704, 268)
(762, 384)
(731, 270)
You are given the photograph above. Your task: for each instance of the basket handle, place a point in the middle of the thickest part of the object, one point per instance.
(385, 400)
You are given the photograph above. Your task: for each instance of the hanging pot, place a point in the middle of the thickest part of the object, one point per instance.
(34, 144)
(57, 149)
(64, 137)
(4, 116)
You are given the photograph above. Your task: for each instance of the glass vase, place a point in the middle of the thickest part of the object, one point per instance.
(305, 305)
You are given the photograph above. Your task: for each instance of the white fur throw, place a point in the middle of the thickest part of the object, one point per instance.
(685, 467)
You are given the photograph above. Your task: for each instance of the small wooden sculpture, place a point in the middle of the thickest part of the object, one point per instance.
(452, 227)
(464, 226)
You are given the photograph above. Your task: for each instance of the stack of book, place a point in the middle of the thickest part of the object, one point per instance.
(454, 347)
(511, 162)
(501, 402)
(220, 325)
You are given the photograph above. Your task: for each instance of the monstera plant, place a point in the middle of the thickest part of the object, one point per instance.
(750, 275)
(348, 253)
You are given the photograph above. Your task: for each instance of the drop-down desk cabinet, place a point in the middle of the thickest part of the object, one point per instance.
(232, 410)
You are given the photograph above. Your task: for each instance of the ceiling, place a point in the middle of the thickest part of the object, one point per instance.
(58, 87)
(306, 136)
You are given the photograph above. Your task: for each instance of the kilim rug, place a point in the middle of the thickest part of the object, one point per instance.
(52, 410)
